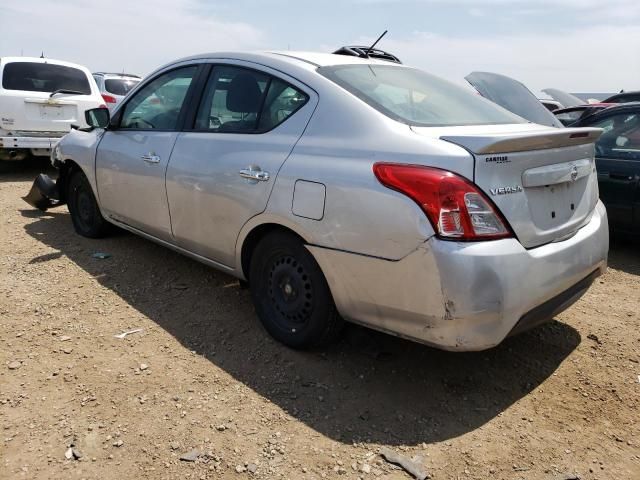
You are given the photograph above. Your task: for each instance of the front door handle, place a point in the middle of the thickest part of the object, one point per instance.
(151, 158)
(254, 173)
(620, 176)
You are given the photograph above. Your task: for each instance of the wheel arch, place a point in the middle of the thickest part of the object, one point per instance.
(65, 170)
(251, 235)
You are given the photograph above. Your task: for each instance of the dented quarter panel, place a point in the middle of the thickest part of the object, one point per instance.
(360, 214)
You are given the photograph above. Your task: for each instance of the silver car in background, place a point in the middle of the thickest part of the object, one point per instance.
(115, 86)
(345, 188)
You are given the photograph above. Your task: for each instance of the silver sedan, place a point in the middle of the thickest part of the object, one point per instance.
(344, 188)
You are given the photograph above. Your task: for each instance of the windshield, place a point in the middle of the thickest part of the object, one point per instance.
(44, 77)
(415, 97)
(120, 86)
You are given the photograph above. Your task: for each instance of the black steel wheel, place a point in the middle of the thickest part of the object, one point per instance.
(85, 213)
(290, 293)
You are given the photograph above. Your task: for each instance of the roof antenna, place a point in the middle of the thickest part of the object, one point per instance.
(42, 54)
(366, 52)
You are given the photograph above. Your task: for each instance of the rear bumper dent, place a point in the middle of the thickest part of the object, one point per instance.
(466, 296)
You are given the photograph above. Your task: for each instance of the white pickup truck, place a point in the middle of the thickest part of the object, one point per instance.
(40, 99)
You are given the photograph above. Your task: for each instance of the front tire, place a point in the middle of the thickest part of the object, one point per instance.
(290, 294)
(83, 207)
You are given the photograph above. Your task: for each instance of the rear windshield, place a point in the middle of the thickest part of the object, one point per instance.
(415, 97)
(44, 77)
(119, 86)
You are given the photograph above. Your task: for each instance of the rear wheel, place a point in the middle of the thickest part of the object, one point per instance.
(83, 207)
(290, 294)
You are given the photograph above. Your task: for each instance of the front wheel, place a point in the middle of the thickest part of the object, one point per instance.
(290, 294)
(83, 207)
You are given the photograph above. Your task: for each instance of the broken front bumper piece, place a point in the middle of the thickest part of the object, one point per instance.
(44, 193)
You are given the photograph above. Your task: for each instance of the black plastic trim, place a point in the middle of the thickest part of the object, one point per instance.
(546, 311)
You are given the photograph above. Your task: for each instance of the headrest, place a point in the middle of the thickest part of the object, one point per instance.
(244, 94)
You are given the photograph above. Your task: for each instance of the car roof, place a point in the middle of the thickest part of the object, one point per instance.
(605, 112)
(622, 95)
(311, 59)
(117, 75)
(51, 61)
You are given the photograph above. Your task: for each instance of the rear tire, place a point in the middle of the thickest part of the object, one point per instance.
(291, 295)
(83, 207)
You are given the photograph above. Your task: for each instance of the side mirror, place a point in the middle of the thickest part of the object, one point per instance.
(97, 117)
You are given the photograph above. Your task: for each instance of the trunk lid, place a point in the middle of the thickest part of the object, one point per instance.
(513, 96)
(543, 180)
(564, 98)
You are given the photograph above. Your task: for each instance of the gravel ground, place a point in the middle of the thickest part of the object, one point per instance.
(559, 402)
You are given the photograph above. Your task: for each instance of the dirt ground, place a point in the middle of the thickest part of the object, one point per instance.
(560, 402)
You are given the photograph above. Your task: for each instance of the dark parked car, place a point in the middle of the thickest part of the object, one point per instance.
(618, 164)
(624, 97)
(569, 116)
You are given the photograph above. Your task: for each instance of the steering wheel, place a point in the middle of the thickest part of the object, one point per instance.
(140, 120)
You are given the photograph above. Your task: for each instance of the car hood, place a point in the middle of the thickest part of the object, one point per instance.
(566, 99)
(512, 95)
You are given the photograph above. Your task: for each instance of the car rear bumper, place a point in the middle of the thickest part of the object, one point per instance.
(466, 296)
(41, 143)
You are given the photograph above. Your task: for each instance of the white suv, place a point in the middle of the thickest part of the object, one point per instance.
(40, 99)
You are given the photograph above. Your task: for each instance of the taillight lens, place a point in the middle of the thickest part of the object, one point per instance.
(108, 98)
(456, 208)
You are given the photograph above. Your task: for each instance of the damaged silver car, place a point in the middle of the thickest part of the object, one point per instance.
(344, 188)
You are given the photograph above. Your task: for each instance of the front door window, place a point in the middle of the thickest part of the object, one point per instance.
(157, 105)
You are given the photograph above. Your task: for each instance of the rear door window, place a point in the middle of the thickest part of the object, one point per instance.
(44, 77)
(240, 100)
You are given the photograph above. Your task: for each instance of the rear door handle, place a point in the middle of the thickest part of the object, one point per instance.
(254, 173)
(151, 158)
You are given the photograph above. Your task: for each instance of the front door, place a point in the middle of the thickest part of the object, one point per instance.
(132, 158)
(222, 171)
(618, 165)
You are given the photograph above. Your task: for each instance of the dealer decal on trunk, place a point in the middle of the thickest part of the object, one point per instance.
(497, 159)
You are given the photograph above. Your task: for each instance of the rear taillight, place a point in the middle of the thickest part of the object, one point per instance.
(108, 98)
(456, 208)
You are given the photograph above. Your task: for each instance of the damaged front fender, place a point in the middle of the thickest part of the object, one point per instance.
(44, 193)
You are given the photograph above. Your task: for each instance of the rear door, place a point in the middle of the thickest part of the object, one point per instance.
(512, 95)
(132, 157)
(222, 171)
(618, 165)
(26, 99)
